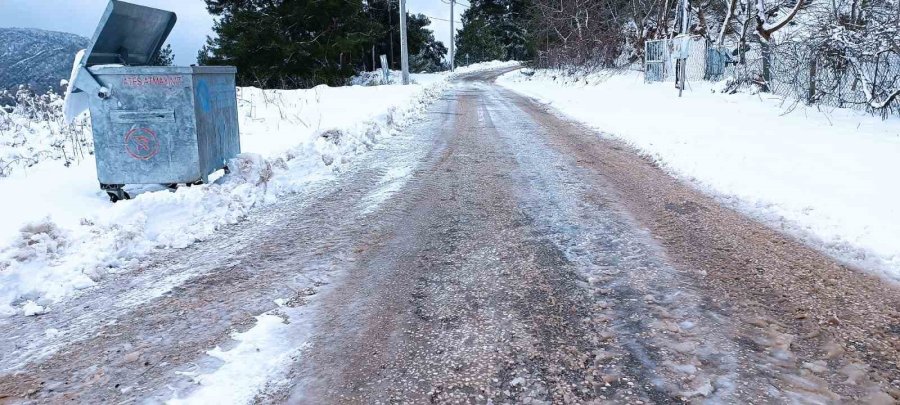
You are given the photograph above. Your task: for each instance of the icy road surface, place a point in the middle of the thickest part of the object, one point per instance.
(491, 253)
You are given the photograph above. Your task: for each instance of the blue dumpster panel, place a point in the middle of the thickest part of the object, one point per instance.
(215, 105)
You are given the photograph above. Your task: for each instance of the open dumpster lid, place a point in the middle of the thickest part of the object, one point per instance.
(129, 34)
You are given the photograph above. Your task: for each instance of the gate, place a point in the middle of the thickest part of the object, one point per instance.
(656, 55)
(660, 56)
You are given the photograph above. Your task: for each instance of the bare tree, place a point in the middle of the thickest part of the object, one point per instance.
(838, 52)
(768, 22)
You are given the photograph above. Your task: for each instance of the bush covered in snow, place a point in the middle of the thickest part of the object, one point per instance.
(33, 130)
(375, 78)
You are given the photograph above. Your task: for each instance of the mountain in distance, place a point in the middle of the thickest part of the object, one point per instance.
(36, 57)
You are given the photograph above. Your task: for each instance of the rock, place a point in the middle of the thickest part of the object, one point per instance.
(610, 378)
(665, 325)
(685, 368)
(132, 357)
(855, 373)
(833, 350)
(813, 334)
(879, 398)
(683, 347)
(758, 322)
(781, 341)
(31, 308)
(894, 392)
(601, 355)
(704, 389)
(517, 382)
(818, 366)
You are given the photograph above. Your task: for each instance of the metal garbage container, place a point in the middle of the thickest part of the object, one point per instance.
(153, 124)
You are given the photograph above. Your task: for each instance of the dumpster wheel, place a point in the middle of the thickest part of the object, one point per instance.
(116, 196)
(115, 192)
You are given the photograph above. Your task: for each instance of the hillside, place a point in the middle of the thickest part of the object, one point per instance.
(36, 57)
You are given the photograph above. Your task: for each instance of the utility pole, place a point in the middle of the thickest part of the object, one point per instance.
(390, 34)
(404, 52)
(681, 62)
(452, 35)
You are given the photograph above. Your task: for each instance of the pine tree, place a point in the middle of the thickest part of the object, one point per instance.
(420, 40)
(430, 57)
(302, 43)
(165, 57)
(288, 44)
(477, 42)
(494, 29)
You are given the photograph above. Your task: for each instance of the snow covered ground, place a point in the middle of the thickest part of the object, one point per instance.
(828, 177)
(60, 234)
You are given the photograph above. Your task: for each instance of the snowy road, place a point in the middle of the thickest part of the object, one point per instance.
(490, 252)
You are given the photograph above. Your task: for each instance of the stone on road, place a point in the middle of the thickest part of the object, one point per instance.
(492, 253)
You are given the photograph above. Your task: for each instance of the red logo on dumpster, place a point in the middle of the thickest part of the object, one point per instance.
(141, 143)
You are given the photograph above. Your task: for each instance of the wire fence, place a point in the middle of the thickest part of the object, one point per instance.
(819, 77)
(806, 73)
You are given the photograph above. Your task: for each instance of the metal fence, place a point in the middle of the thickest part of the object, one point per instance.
(812, 76)
(660, 56)
(801, 72)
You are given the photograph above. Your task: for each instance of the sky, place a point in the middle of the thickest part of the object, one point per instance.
(194, 23)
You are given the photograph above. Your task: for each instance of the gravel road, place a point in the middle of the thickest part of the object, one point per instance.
(492, 252)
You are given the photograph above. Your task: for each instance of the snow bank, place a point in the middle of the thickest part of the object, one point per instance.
(828, 177)
(482, 66)
(376, 78)
(60, 233)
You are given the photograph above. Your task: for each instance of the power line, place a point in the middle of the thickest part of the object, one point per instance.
(457, 3)
(441, 19)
